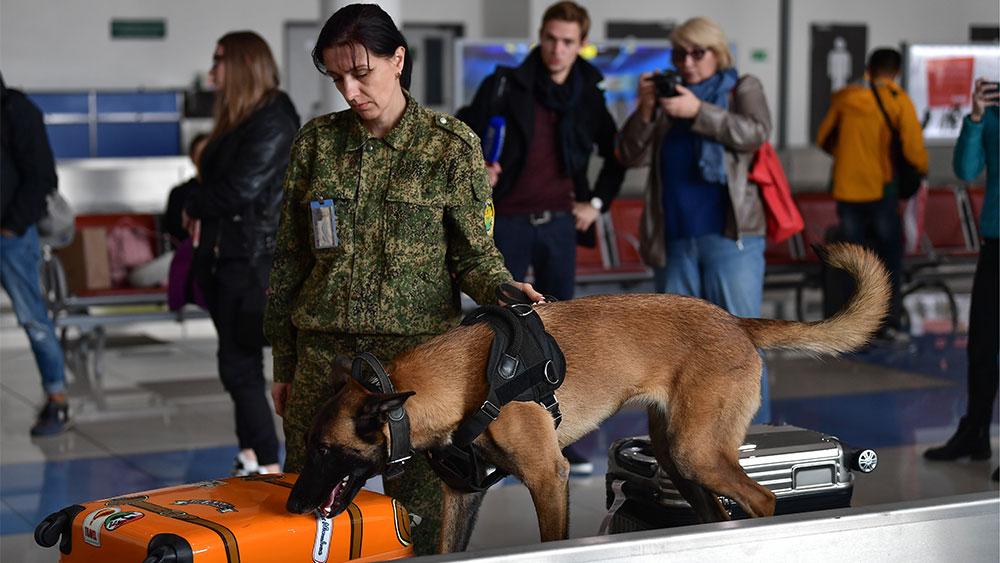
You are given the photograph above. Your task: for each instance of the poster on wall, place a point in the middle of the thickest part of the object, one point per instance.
(939, 79)
(837, 58)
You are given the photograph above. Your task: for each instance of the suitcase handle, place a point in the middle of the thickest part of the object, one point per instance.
(168, 548)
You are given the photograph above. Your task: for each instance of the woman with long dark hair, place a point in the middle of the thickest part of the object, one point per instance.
(387, 217)
(234, 217)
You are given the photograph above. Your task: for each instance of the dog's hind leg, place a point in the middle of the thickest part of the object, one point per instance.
(728, 478)
(526, 436)
(458, 517)
(706, 505)
(710, 458)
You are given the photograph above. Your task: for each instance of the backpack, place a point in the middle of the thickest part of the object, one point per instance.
(908, 178)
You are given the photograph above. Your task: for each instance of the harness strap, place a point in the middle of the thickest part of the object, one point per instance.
(400, 448)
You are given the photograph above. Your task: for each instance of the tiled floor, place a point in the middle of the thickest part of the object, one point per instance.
(174, 425)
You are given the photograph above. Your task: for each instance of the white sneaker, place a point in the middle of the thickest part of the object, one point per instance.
(243, 466)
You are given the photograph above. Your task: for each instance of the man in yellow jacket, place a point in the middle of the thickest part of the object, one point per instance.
(855, 132)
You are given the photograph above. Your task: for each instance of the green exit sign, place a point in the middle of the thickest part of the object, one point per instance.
(138, 29)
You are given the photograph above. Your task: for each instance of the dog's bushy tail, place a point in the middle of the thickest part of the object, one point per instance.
(851, 327)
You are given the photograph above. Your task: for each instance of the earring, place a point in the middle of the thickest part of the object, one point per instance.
(398, 74)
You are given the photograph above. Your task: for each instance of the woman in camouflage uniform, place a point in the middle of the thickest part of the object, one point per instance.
(387, 216)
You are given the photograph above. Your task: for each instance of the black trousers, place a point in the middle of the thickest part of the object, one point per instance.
(984, 336)
(549, 248)
(241, 366)
(877, 225)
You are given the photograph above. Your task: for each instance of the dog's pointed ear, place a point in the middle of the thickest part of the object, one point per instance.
(381, 404)
(341, 370)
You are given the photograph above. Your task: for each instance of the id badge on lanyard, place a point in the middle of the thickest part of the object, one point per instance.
(324, 222)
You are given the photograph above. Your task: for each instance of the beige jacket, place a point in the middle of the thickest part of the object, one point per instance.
(741, 129)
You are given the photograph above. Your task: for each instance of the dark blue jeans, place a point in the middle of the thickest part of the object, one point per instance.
(876, 224)
(549, 248)
(20, 262)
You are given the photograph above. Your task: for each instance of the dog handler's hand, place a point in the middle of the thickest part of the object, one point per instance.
(280, 393)
(529, 291)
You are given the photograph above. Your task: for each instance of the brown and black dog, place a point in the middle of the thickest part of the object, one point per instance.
(694, 366)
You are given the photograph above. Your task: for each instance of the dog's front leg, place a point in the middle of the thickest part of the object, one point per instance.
(526, 436)
(458, 516)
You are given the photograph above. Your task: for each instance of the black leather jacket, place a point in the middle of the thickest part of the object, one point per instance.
(239, 199)
(510, 92)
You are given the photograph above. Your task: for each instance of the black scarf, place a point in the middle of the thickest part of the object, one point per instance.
(564, 99)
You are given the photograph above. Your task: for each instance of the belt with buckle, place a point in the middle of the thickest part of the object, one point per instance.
(544, 217)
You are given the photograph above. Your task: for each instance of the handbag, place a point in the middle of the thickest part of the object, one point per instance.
(58, 226)
(782, 215)
(908, 178)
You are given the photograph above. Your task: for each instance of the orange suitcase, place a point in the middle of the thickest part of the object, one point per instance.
(236, 520)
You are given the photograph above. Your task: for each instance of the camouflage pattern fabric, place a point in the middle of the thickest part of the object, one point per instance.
(414, 218)
(414, 226)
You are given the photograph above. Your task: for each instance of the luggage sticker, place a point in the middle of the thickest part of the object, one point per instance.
(222, 507)
(324, 531)
(209, 484)
(94, 521)
(119, 519)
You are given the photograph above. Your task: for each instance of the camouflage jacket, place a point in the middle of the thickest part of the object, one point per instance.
(414, 223)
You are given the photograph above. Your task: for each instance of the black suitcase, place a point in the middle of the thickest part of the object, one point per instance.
(806, 471)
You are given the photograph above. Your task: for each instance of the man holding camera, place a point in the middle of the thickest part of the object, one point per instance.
(555, 114)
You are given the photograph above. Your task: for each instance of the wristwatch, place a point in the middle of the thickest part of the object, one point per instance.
(596, 203)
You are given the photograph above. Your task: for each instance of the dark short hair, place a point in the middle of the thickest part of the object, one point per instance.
(883, 61)
(568, 12)
(367, 25)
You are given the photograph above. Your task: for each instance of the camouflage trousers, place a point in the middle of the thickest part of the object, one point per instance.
(418, 488)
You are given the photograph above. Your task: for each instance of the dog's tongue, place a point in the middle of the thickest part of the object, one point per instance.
(333, 497)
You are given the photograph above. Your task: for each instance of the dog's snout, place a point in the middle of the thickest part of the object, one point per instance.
(297, 506)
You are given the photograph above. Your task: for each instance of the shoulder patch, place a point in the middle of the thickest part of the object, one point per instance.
(456, 127)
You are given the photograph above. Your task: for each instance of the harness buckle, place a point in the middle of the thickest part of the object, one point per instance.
(522, 309)
(553, 410)
(550, 373)
(490, 409)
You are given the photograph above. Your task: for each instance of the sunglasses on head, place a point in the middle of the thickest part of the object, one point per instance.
(679, 54)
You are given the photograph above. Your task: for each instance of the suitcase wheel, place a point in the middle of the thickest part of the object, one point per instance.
(864, 460)
(48, 531)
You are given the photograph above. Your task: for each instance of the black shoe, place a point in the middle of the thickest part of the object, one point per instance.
(52, 420)
(578, 465)
(996, 474)
(892, 336)
(969, 440)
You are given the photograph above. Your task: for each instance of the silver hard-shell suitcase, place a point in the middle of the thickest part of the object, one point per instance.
(806, 470)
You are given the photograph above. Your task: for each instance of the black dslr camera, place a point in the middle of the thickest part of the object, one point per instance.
(666, 83)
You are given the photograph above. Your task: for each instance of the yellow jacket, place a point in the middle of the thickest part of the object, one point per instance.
(855, 133)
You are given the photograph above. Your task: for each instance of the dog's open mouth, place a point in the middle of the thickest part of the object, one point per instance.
(337, 499)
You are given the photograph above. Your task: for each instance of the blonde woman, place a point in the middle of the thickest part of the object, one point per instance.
(234, 218)
(703, 223)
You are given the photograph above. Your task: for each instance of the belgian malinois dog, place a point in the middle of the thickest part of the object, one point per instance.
(695, 367)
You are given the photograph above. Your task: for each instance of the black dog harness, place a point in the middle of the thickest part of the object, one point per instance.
(400, 449)
(525, 364)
